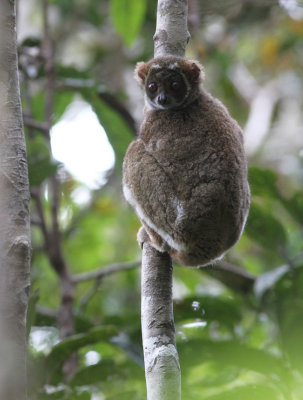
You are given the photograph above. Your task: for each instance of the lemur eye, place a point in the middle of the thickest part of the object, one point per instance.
(175, 85)
(152, 87)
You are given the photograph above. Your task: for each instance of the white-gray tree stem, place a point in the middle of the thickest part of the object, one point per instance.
(162, 367)
(14, 216)
(172, 34)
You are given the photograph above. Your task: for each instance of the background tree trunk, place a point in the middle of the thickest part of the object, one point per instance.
(162, 368)
(14, 217)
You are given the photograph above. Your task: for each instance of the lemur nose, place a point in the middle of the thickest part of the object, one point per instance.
(162, 98)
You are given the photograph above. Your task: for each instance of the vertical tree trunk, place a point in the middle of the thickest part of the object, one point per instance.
(162, 368)
(14, 217)
(172, 34)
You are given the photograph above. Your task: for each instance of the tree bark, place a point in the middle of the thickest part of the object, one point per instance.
(172, 34)
(162, 368)
(14, 217)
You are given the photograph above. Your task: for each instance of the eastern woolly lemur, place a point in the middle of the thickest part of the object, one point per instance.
(186, 174)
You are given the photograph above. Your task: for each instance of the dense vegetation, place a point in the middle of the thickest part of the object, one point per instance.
(239, 331)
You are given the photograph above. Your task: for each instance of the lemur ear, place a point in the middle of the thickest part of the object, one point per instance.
(195, 71)
(141, 71)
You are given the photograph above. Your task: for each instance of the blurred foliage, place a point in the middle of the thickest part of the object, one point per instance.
(127, 16)
(231, 346)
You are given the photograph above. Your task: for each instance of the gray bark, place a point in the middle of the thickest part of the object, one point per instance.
(14, 217)
(162, 368)
(171, 35)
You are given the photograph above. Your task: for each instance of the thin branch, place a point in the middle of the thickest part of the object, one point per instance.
(49, 64)
(104, 95)
(105, 271)
(39, 126)
(81, 214)
(87, 297)
(65, 315)
(236, 278)
(54, 248)
(36, 195)
(115, 104)
(47, 312)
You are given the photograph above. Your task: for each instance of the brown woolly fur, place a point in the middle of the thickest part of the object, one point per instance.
(186, 174)
(141, 72)
(193, 68)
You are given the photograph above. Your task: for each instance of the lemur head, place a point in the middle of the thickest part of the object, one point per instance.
(169, 82)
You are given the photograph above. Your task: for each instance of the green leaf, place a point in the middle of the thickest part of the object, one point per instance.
(82, 322)
(292, 340)
(55, 395)
(119, 134)
(66, 347)
(105, 369)
(38, 105)
(62, 100)
(66, 394)
(40, 170)
(209, 308)
(294, 206)
(40, 164)
(230, 352)
(267, 280)
(31, 41)
(132, 349)
(31, 311)
(265, 229)
(210, 374)
(65, 5)
(71, 72)
(127, 16)
(129, 395)
(263, 182)
(248, 392)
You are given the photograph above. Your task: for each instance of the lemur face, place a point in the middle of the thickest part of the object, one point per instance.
(166, 88)
(169, 82)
